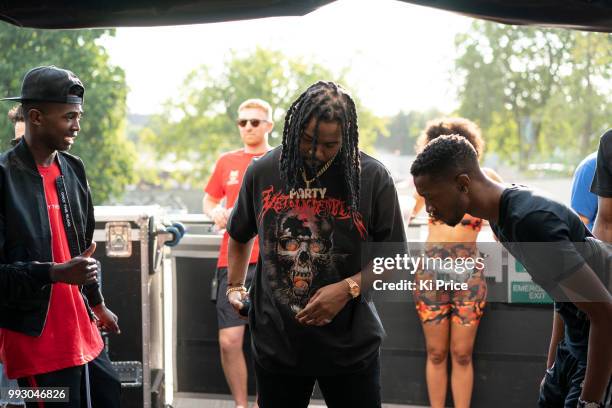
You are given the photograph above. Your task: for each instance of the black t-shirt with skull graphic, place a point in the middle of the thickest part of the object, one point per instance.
(309, 238)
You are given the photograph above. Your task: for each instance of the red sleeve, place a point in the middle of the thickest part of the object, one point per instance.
(215, 187)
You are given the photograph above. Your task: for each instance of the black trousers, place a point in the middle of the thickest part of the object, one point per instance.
(104, 385)
(354, 390)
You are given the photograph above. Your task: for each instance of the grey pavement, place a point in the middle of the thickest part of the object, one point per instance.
(189, 400)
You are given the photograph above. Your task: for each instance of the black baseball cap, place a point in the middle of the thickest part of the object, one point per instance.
(50, 84)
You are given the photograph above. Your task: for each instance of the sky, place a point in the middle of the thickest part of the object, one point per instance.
(400, 56)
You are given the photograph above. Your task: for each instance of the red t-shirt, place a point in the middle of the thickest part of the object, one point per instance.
(225, 182)
(69, 337)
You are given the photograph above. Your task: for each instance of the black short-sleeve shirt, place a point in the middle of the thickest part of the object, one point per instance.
(310, 238)
(541, 233)
(602, 180)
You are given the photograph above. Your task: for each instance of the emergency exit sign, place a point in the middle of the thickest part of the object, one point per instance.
(521, 288)
(528, 292)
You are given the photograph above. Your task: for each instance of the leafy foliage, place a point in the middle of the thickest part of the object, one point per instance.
(199, 123)
(404, 129)
(538, 94)
(101, 144)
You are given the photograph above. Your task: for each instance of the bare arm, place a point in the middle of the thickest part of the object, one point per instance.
(603, 222)
(208, 204)
(596, 303)
(555, 338)
(238, 257)
(584, 219)
(599, 359)
(327, 302)
(211, 207)
(492, 174)
(419, 203)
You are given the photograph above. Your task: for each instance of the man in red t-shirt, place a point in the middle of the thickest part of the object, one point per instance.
(254, 123)
(51, 336)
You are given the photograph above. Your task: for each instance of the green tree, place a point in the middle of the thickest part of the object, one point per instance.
(533, 90)
(587, 91)
(200, 122)
(101, 144)
(404, 129)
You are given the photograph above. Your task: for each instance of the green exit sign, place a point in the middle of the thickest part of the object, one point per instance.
(528, 292)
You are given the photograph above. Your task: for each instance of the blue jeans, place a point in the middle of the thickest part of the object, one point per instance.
(563, 383)
(6, 384)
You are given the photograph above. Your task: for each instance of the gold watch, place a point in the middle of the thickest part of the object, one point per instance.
(354, 288)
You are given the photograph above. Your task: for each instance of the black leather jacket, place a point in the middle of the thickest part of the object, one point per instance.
(25, 236)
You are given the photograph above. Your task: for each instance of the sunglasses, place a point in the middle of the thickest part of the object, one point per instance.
(254, 122)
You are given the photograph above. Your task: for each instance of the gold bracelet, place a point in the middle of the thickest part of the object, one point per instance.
(235, 289)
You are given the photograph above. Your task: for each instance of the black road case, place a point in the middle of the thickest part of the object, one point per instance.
(130, 248)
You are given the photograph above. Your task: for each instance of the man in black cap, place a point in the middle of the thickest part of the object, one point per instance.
(49, 334)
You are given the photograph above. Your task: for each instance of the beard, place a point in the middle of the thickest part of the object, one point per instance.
(313, 165)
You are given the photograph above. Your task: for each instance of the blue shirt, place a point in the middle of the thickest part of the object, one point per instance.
(583, 201)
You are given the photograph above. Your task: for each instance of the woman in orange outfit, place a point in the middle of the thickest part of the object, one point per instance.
(450, 318)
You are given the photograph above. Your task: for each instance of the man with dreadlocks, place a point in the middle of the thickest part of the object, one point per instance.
(313, 202)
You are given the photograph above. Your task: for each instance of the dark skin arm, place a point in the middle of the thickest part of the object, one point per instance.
(599, 360)
(239, 255)
(326, 303)
(80, 270)
(603, 223)
(596, 303)
(107, 320)
(555, 338)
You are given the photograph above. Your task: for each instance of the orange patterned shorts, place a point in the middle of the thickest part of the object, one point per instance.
(463, 307)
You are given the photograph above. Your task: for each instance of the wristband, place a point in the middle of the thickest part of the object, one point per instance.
(585, 404)
(235, 289)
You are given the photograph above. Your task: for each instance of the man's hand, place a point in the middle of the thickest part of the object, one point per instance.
(80, 270)
(107, 320)
(235, 299)
(220, 216)
(325, 304)
(548, 372)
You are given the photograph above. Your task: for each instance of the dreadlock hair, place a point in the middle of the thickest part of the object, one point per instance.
(324, 101)
(452, 126)
(445, 156)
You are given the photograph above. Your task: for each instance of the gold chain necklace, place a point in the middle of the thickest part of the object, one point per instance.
(319, 173)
